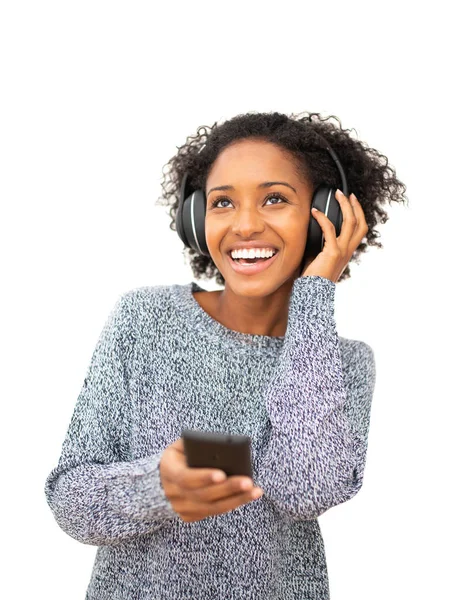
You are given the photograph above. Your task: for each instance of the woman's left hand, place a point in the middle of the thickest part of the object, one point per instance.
(337, 252)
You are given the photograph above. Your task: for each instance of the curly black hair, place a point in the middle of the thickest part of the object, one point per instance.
(368, 174)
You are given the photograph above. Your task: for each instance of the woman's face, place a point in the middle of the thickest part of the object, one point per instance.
(249, 212)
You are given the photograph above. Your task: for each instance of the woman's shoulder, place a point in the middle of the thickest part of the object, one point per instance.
(354, 345)
(142, 306)
(144, 295)
(356, 353)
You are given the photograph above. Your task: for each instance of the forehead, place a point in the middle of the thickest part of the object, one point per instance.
(251, 159)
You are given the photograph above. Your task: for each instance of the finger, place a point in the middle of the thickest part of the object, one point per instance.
(328, 228)
(179, 473)
(211, 492)
(350, 221)
(196, 511)
(196, 477)
(236, 484)
(230, 502)
(185, 483)
(362, 227)
(360, 230)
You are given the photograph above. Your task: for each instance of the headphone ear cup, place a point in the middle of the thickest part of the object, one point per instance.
(324, 199)
(190, 217)
(179, 225)
(179, 216)
(193, 219)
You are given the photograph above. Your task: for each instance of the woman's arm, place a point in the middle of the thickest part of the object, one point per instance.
(318, 409)
(96, 496)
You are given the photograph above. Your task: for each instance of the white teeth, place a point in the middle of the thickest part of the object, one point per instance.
(253, 253)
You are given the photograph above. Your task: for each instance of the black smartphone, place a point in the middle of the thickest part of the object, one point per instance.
(230, 453)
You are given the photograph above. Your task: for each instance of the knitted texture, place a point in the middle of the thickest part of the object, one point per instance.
(162, 364)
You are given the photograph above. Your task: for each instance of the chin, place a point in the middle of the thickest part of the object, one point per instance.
(255, 288)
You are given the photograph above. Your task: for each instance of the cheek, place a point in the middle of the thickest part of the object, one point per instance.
(215, 235)
(294, 234)
(293, 251)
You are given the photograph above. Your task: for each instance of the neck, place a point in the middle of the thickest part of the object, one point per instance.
(256, 315)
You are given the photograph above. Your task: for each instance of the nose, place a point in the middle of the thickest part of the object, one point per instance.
(246, 222)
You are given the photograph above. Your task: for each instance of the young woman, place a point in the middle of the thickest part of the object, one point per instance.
(260, 357)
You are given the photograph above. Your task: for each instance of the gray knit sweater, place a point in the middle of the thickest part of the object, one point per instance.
(163, 364)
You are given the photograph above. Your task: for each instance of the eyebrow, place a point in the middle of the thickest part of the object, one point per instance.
(265, 184)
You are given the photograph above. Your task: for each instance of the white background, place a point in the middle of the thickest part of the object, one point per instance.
(95, 97)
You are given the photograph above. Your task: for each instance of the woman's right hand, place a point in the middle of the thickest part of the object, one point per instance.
(192, 492)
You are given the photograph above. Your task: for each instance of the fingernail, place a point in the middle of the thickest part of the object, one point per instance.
(218, 477)
(339, 192)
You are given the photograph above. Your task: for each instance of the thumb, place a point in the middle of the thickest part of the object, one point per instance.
(178, 445)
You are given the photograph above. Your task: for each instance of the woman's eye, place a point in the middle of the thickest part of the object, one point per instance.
(278, 196)
(275, 196)
(216, 202)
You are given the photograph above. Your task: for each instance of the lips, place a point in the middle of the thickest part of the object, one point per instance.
(252, 268)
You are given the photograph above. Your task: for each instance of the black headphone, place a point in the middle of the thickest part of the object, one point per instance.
(190, 217)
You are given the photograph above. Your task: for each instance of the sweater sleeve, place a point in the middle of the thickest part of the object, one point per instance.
(96, 496)
(318, 406)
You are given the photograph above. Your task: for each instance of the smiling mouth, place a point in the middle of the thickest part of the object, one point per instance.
(252, 266)
(251, 261)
